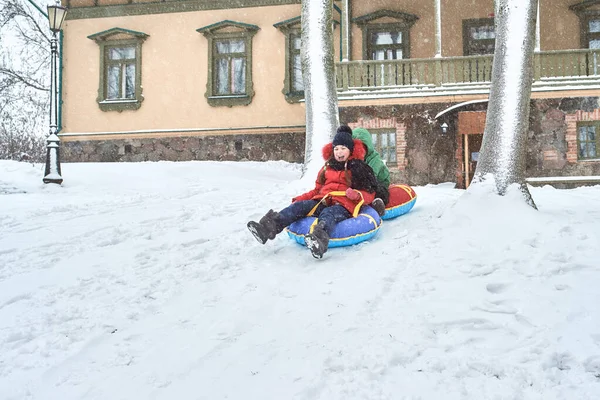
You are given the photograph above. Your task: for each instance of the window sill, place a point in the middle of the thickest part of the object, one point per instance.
(294, 97)
(588, 160)
(120, 104)
(229, 100)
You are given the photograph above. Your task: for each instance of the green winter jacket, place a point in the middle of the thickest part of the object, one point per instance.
(373, 159)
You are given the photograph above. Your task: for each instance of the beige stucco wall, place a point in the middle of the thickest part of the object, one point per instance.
(423, 31)
(174, 74)
(422, 36)
(174, 61)
(559, 27)
(453, 14)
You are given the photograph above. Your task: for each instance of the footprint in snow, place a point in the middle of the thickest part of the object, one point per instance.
(496, 288)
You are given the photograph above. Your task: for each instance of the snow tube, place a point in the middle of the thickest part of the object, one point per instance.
(402, 200)
(346, 233)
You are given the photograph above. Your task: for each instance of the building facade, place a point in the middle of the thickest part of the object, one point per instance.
(221, 80)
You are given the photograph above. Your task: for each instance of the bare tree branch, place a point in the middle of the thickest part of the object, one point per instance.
(23, 79)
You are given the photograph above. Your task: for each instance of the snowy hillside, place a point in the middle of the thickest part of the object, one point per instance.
(141, 281)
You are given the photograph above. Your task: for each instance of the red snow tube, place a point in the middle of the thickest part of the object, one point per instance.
(402, 200)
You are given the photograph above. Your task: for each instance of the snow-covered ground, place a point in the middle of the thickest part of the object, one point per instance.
(141, 281)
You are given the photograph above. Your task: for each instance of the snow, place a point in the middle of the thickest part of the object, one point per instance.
(564, 178)
(459, 105)
(141, 281)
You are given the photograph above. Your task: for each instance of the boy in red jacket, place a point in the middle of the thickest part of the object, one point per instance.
(344, 184)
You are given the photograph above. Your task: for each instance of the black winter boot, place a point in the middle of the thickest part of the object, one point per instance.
(378, 206)
(317, 241)
(267, 228)
(271, 223)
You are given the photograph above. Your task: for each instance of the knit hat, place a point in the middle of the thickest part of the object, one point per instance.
(343, 137)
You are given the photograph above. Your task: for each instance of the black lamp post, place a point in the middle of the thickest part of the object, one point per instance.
(56, 16)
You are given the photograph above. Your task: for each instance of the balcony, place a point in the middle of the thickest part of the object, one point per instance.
(553, 71)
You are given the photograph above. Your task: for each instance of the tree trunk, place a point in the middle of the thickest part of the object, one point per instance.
(503, 150)
(318, 71)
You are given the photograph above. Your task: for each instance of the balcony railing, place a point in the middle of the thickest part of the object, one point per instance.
(551, 69)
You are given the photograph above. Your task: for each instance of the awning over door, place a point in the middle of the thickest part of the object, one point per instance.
(471, 122)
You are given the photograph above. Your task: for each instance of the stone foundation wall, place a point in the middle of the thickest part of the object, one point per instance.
(552, 141)
(425, 155)
(257, 147)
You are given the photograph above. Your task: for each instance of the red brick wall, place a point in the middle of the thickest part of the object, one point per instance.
(571, 135)
(381, 123)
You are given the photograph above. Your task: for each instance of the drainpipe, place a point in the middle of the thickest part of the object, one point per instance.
(537, 30)
(60, 63)
(60, 82)
(38, 8)
(342, 25)
(345, 31)
(438, 29)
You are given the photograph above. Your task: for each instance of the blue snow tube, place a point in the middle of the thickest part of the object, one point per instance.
(399, 210)
(346, 233)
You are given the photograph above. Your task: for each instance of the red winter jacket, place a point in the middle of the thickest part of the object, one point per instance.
(332, 180)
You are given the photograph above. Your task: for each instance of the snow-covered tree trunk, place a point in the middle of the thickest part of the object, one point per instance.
(318, 71)
(503, 150)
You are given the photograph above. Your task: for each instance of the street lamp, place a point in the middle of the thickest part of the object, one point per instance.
(56, 16)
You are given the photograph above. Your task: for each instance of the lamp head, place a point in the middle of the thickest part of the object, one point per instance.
(56, 16)
(444, 127)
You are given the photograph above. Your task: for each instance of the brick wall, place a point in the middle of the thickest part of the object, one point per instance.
(571, 134)
(382, 123)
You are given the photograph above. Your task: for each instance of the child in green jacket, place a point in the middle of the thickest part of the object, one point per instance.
(373, 159)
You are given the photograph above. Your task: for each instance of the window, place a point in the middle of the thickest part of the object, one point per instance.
(479, 36)
(297, 83)
(229, 68)
(386, 44)
(388, 40)
(593, 34)
(587, 140)
(589, 20)
(385, 143)
(120, 72)
(120, 85)
(229, 63)
(293, 85)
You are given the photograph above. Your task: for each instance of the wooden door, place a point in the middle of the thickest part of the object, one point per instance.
(471, 125)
